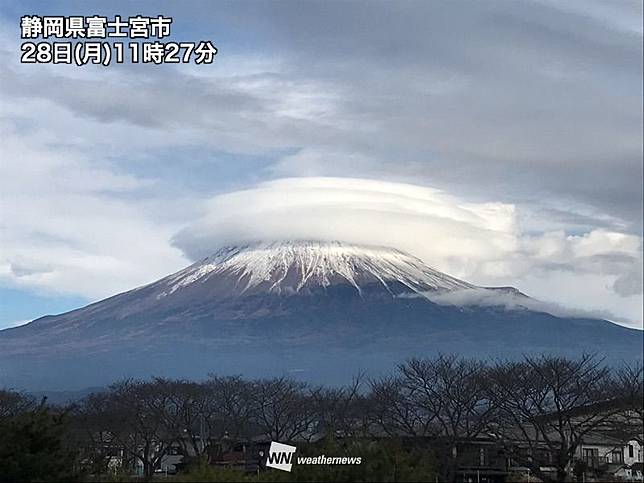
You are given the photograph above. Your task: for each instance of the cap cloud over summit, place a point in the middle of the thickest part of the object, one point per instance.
(486, 243)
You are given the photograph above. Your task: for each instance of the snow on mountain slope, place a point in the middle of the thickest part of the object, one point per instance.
(325, 309)
(289, 267)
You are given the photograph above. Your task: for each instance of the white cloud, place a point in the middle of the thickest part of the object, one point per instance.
(508, 299)
(480, 242)
(453, 232)
(14, 323)
(68, 223)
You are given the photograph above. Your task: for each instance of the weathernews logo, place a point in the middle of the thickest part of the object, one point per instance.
(280, 457)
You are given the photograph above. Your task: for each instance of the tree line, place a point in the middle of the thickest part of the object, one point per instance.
(538, 411)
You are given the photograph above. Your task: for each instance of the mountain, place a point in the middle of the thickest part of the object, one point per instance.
(321, 311)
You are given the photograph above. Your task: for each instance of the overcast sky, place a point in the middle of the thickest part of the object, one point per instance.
(499, 141)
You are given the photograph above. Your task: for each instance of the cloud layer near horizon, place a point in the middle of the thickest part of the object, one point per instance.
(484, 243)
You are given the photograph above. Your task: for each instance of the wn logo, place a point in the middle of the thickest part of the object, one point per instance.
(280, 456)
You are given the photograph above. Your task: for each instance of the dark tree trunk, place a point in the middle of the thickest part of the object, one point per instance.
(561, 475)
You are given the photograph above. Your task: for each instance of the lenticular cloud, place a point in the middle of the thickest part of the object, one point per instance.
(482, 243)
(446, 232)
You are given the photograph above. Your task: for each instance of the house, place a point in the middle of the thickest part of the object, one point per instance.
(607, 456)
(481, 460)
(634, 451)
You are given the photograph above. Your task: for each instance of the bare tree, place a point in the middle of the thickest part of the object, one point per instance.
(91, 431)
(341, 410)
(627, 422)
(138, 422)
(282, 410)
(394, 409)
(539, 410)
(227, 409)
(548, 405)
(630, 385)
(453, 391)
(452, 388)
(179, 404)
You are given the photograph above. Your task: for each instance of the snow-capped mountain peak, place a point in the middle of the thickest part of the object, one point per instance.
(328, 308)
(293, 266)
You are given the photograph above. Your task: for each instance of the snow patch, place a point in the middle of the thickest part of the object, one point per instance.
(292, 266)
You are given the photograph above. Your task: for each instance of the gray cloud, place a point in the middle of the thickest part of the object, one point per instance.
(532, 99)
(630, 282)
(528, 99)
